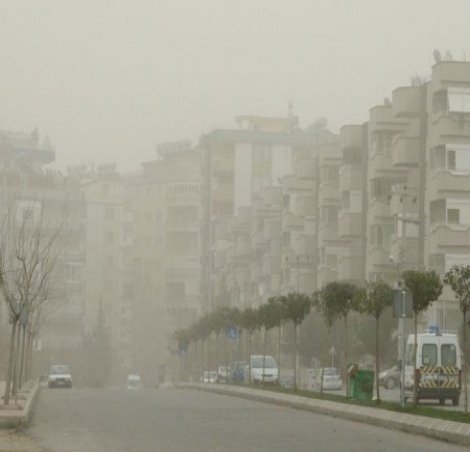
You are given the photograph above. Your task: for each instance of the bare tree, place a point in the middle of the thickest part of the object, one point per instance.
(28, 256)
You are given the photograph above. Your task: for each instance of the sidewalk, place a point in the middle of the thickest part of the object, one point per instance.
(17, 413)
(453, 432)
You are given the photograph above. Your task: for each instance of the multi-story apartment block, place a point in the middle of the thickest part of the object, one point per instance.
(447, 207)
(352, 217)
(56, 205)
(239, 165)
(330, 244)
(165, 200)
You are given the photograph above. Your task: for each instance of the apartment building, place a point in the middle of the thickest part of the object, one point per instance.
(329, 244)
(103, 193)
(56, 204)
(352, 216)
(447, 207)
(245, 168)
(165, 201)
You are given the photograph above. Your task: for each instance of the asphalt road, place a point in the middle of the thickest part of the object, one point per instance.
(172, 420)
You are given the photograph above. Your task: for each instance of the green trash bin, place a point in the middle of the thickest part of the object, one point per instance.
(362, 385)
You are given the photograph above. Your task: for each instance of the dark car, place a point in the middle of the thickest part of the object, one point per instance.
(390, 378)
(238, 372)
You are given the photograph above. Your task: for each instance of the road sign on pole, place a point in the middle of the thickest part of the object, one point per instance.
(232, 333)
(402, 304)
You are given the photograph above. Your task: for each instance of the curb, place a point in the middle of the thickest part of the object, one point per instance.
(452, 432)
(15, 418)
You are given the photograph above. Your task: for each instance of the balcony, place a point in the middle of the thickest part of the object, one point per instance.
(349, 224)
(449, 127)
(379, 210)
(351, 137)
(381, 166)
(326, 275)
(444, 183)
(406, 101)
(328, 194)
(306, 168)
(445, 71)
(350, 178)
(271, 265)
(404, 202)
(405, 151)
(327, 233)
(450, 237)
(350, 268)
(381, 119)
(404, 250)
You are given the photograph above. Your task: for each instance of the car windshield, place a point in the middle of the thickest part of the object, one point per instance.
(257, 362)
(331, 372)
(60, 370)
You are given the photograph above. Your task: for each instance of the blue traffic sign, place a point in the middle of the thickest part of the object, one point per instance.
(232, 333)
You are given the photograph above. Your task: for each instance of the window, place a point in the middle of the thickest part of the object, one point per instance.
(458, 100)
(429, 355)
(453, 216)
(109, 213)
(448, 355)
(451, 160)
(109, 238)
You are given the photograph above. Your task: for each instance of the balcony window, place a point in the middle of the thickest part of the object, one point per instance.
(453, 216)
(458, 158)
(382, 142)
(458, 211)
(458, 100)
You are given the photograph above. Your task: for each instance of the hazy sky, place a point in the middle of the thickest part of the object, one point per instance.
(107, 80)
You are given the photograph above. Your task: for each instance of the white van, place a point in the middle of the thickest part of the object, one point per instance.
(271, 371)
(439, 364)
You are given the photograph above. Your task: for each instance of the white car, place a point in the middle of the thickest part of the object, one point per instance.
(209, 377)
(59, 376)
(332, 379)
(134, 381)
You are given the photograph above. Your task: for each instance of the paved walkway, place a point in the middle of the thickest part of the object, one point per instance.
(19, 408)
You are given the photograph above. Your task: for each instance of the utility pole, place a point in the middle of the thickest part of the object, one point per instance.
(422, 177)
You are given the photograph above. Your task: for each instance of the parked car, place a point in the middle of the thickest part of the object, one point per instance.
(60, 376)
(390, 378)
(332, 379)
(223, 373)
(238, 371)
(134, 381)
(271, 370)
(209, 376)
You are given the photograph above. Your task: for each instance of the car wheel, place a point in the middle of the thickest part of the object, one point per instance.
(442, 401)
(390, 383)
(455, 401)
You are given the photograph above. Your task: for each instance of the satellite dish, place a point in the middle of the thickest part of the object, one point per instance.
(437, 56)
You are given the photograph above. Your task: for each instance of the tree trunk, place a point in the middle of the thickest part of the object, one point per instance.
(377, 367)
(22, 358)
(264, 354)
(296, 355)
(11, 363)
(226, 358)
(415, 361)
(14, 390)
(464, 363)
(345, 348)
(249, 357)
(279, 335)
